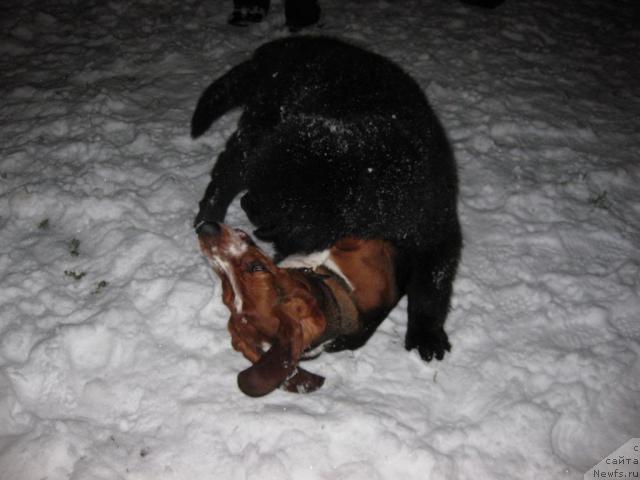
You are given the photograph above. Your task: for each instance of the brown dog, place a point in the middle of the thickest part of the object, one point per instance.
(278, 313)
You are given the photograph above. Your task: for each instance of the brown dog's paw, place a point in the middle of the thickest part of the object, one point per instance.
(302, 381)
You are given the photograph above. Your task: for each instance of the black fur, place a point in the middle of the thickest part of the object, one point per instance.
(336, 141)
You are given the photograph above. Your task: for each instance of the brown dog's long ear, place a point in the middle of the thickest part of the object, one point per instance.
(273, 370)
(279, 365)
(279, 362)
(269, 372)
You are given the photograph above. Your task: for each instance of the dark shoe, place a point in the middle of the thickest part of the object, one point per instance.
(244, 17)
(301, 13)
(484, 3)
(246, 12)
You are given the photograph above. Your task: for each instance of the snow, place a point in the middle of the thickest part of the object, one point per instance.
(122, 368)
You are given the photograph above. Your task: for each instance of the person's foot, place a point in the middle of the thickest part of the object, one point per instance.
(300, 14)
(242, 17)
(484, 3)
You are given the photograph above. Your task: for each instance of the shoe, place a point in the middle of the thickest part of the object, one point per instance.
(300, 14)
(242, 17)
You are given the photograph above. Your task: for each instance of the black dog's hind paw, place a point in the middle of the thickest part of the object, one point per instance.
(433, 344)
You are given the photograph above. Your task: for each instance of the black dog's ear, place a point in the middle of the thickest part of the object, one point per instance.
(229, 91)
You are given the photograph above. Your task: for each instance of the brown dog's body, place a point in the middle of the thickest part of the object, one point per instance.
(278, 313)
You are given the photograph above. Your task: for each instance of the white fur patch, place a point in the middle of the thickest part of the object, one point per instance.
(237, 249)
(229, 272)
(331, 265)
(313, 261)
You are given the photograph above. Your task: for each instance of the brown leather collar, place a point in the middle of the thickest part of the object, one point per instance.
(333, 294)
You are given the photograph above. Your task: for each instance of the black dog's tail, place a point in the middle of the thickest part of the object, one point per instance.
(229, 91)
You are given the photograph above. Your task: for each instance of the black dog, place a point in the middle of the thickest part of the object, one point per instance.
(335, 141)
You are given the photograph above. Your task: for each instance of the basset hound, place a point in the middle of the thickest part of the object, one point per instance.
(280, 312)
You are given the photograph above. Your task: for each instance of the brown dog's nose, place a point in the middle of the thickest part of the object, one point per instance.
(210, 229)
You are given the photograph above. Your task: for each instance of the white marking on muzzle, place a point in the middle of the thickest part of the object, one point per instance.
(237, 249)
(230, 273)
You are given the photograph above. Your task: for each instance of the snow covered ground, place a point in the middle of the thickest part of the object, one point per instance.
(115, 362)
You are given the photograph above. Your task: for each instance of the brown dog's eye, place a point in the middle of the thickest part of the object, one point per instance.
(255, 266)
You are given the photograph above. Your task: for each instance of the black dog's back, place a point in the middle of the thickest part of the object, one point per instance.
(316, 76)
(337, 141)
(317, 95)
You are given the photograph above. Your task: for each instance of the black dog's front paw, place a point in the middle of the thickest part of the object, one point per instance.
(429, 345)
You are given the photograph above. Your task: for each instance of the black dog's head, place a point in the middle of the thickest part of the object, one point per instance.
(294, 192)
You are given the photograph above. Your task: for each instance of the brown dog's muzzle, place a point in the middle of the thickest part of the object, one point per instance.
(266, 307)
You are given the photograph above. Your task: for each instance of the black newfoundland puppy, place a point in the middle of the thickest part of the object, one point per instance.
(335, 141)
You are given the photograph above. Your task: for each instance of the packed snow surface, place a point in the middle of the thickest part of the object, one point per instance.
(115, 362)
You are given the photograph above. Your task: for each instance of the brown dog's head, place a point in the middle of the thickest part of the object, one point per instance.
(274, 316)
